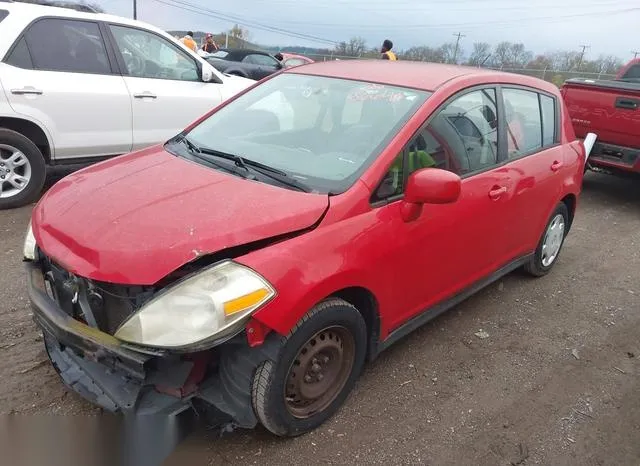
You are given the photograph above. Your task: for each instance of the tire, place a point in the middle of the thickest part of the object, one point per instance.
(540, 264)
(33, 167)
(329, 325)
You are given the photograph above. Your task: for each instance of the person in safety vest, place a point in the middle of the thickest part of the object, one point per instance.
(386, 52)
(189, 42)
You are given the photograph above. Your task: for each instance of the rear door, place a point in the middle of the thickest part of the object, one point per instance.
(535, 164)
(60, 73)
(164, 82)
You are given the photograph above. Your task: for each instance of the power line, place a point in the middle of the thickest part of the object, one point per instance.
(183, 5)
(455, 52)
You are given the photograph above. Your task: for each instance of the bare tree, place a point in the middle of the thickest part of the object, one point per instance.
(480, 54)
(508, 54)
(448, 52)
(355, 47)
(424, 53)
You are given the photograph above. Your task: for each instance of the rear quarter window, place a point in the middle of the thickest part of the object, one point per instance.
(3, 14)
(632, 74)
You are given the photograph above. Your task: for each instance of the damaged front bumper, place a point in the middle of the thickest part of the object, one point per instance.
(121, 378)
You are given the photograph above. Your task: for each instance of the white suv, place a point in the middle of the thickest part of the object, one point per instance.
(77, 87)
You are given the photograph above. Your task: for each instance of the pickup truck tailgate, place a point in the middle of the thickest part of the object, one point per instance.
(611, 109)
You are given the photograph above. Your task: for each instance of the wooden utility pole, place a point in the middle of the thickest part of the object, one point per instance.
(635, 54)
(135, 9)
(455, 52)
(584, 47)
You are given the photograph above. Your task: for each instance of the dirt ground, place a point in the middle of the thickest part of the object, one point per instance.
(555, 382)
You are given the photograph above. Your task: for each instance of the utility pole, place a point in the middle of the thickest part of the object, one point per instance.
(584, 47)
(455, 52)
(135, 9)
(635, 54)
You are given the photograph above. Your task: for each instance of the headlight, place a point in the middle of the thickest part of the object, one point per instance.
(213, 303)
(29, 248)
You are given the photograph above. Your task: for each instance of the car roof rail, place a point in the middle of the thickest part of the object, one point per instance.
(82, 7)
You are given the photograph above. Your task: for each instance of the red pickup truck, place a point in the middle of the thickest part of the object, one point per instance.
(610, 109)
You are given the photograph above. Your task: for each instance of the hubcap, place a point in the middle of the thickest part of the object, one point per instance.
(553, 240)
(319, 371)
(15, 171)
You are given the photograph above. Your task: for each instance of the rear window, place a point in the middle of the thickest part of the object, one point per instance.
(632, 74)
(3, 14)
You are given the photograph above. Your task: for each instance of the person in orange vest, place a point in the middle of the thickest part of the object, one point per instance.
(189, 42)
(386, 52)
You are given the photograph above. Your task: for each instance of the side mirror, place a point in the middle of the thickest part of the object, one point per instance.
(429, 186)
(208, 75)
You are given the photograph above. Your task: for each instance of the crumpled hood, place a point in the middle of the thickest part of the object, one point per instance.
(139, 217)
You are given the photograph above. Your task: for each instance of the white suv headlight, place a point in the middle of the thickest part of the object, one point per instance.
(213, 303)
(29, 248)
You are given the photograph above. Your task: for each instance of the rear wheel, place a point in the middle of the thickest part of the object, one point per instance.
(550, 244)
(318, 366)
(22, 170)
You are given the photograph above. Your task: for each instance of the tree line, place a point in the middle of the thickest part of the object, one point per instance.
(506, 54)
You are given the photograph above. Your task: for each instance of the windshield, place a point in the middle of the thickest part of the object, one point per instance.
(323, 132)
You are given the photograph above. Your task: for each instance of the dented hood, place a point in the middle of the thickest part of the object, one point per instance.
(137, 218)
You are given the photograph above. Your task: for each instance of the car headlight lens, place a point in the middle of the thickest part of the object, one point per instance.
(29, 248)
(213, 303)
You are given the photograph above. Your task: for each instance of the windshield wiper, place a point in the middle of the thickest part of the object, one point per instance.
(271, 172)
(201, 153)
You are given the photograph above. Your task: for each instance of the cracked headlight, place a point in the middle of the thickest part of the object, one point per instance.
(29, 248)
(214, 303)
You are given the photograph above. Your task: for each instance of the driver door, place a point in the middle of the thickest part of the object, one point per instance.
(166, 91)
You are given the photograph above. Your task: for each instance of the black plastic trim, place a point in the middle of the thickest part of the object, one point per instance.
(92, 343)
(429, 314)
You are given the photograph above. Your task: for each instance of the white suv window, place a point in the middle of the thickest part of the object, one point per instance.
(147, 55)
(56, 44)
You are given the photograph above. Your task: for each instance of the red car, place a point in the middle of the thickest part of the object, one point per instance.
(249, 266)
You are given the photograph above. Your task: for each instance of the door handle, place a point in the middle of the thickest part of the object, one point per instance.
(556, 165)
(27, 90)
(629, 104)
(145, 95)
(497, 191)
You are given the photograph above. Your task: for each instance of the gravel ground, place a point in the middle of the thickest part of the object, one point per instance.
(556, 381)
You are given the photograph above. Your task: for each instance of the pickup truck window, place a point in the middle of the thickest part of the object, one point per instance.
(632, 74)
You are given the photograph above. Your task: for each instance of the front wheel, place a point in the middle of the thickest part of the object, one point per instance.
(548, 250)
(317, 367)
(22, 170)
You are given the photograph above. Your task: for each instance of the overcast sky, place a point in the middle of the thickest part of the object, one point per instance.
(607, 26)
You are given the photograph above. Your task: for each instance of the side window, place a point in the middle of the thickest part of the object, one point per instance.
(462, 137)
(524, 125)
(548, 112)
(3, 14)
(67, 45)
(20, 56)
(147, 55)
(263, 60)
(291, 62)
(632, 74)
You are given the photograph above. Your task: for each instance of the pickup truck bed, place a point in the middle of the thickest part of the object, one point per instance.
(611, 109)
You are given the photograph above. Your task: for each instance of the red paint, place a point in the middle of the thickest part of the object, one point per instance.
(135, 219)
(256, 332)
(130, 220)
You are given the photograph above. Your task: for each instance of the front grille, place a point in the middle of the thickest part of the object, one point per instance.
(98, 304)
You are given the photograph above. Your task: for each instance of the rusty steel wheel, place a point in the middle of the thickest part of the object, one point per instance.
(315, 368)
(319, 371)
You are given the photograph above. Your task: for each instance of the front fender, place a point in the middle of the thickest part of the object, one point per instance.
(301, 284)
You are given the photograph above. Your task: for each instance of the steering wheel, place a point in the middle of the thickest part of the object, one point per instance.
(135, 65)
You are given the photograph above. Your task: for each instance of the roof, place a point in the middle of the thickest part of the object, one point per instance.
(418, 75)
